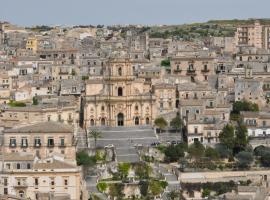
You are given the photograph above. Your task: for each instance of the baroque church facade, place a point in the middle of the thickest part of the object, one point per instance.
(118, 98)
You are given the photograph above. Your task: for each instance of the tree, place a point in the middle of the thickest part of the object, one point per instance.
(265, 159)
(211, 153)
(155, 187)
(173, 195)
(84, 159)
(95, 134)
(226, 136)
(244, 159)
(161, 123)
(206, 192)
(173, 153)
(241, 139)
(196, 150)
(35, 101)
(116, 190)
(73, 72)
(102, 186)
(165, 63)
(260, 150)
(123, 168)
(142, 170)
(143, 185)
(176, 123)
(223, 151)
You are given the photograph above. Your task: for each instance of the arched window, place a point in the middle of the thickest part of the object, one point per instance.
(136, 108)
(120, 119)
(102, 108)
(119, 71)
(103, 122)
(92, 122)
(120, 91)
(147, 121)
(137, 121)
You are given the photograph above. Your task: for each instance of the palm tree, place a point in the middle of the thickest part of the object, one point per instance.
(95, 134)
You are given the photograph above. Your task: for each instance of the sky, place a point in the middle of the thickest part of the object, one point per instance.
(108, 12)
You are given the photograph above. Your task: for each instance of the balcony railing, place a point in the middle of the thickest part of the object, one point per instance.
(205, 70)
(177, 70)
(37, 145)
(191, 72)
(62, 145)
(50, 145)
(24, 145)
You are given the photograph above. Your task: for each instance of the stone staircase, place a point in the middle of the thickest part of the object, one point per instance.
(127, 154)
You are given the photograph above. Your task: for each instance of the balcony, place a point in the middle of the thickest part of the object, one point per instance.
(191, 72)
(61, 145)
(50, 145)
(266, 88)
(24, 145)
(205, 70)
(37, 145)
(177, 70)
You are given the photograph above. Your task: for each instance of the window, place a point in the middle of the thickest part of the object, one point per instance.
(49, 118)
(120, 91)
(50, 142)
(52, 182)
(18, 166)
(161, 105)
(120, 71)
(102, 108)
(59, 118)
(5, 181)
(37, 142)
(69, 116)
(5, 191)
(136, 108)
(195, 129)
(28, 166)
(62, 141)
(36, 181)
(65, 181)
(12, 142)
(264, 123)
(24, 142)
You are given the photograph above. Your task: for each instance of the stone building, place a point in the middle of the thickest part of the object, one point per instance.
(25, 177)
(118, 99)
(41, 139)
(256, 35)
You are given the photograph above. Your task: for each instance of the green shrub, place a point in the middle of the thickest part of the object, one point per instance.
(16, 104)
(102, 186)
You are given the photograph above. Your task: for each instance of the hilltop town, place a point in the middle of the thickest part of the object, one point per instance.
(135, 112)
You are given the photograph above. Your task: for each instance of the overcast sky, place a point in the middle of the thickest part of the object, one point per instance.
(85, 12)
